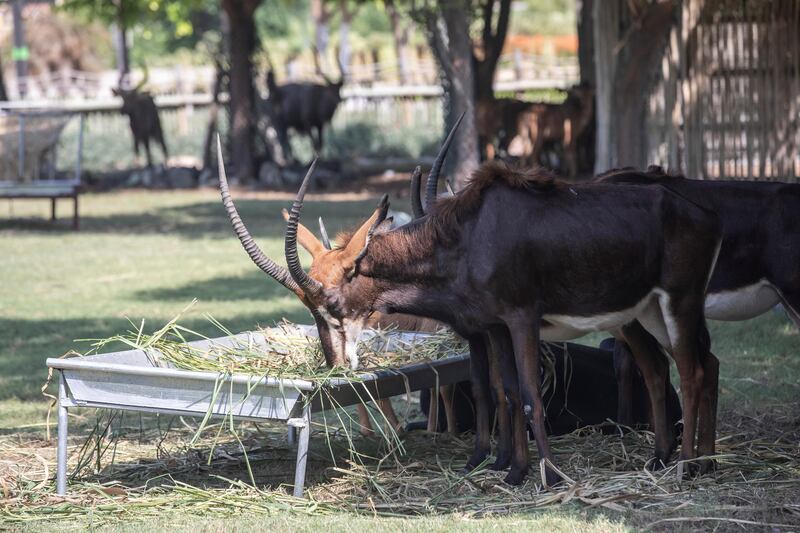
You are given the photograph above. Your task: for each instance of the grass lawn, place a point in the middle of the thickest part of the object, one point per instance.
(146, 255)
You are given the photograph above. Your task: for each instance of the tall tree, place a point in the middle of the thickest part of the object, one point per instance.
(629, 40)
(493, 38)
(447, 29)
(400, 33)
(242, 43)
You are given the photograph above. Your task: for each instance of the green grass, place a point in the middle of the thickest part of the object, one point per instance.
(147, 254)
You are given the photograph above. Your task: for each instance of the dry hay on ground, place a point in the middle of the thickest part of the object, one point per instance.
(757, 483)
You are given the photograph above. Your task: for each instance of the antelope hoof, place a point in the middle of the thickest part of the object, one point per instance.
(502, 462)
(688, 468)
(516, 476)
(477, 457)
(552, 477)
(706, 466)
(655, 464)
(366, 432)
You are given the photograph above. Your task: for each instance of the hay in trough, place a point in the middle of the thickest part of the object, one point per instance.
(288, 352)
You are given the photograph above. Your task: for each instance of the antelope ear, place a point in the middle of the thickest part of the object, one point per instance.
(306, 239)
(357, 247)
(384, 226)
(360, 238)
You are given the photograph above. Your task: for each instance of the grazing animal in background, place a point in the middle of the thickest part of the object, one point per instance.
(142, 112)
(520, 256)
(304, 107)
(759, 261)
(584, 393)
(497, 121)
(561, 124)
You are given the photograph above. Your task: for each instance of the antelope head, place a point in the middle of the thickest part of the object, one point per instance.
(340, 301)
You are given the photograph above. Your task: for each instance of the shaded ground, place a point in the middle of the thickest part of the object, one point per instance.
(146, 255)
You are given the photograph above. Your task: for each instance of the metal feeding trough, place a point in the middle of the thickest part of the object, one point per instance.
(131, 380)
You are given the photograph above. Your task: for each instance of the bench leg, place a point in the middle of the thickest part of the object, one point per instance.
(61, 454)
(302, 453)
(75, 217)
(52, 209)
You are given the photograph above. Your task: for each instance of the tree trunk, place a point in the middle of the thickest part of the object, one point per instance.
(448, 33)
(624, 64)
(344, 39)
(121, 47)
(3, 92)
(20, 49)
(492, 44)
(400, 33)
(586, 41)
(321, 18)
(242, 44)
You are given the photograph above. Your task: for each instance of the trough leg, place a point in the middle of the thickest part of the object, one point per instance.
(292, 436)
(302, 453)
(61, 454)
(52, 209)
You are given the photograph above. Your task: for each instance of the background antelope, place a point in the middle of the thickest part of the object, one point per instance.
(304, 107)
(142, 112)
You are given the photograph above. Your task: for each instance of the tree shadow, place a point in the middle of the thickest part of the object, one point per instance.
(254, 285)
(202, 219)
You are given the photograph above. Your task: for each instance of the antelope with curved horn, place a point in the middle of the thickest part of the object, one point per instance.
(536, 258)
(325, 260)
(142, 113)
(304, 107)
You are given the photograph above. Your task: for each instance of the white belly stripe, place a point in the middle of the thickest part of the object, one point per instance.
(742, 304)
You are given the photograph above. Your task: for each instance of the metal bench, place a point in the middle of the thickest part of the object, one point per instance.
(28, 141)
(129, 380)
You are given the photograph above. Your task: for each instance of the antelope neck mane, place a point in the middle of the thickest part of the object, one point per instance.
(407, 252)
(448, 213)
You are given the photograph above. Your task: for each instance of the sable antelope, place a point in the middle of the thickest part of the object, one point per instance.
(497, 120)
(318, 250)
(557, 123)
(759, 261)
(305, 107)
(143, 115)
(523, 257)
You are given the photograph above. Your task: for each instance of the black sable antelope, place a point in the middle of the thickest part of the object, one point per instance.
(529, 256)
(142, 112)
(305, 107)
(759, 261)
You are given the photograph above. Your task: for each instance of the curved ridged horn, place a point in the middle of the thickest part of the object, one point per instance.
(309, 285)
(141, 84)
(433, 177)
(416, 199)
(277, 272)
(326, 241)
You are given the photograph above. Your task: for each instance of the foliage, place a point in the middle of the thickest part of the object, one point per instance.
(543, 17)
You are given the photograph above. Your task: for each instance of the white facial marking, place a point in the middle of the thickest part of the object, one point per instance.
(352, 331)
